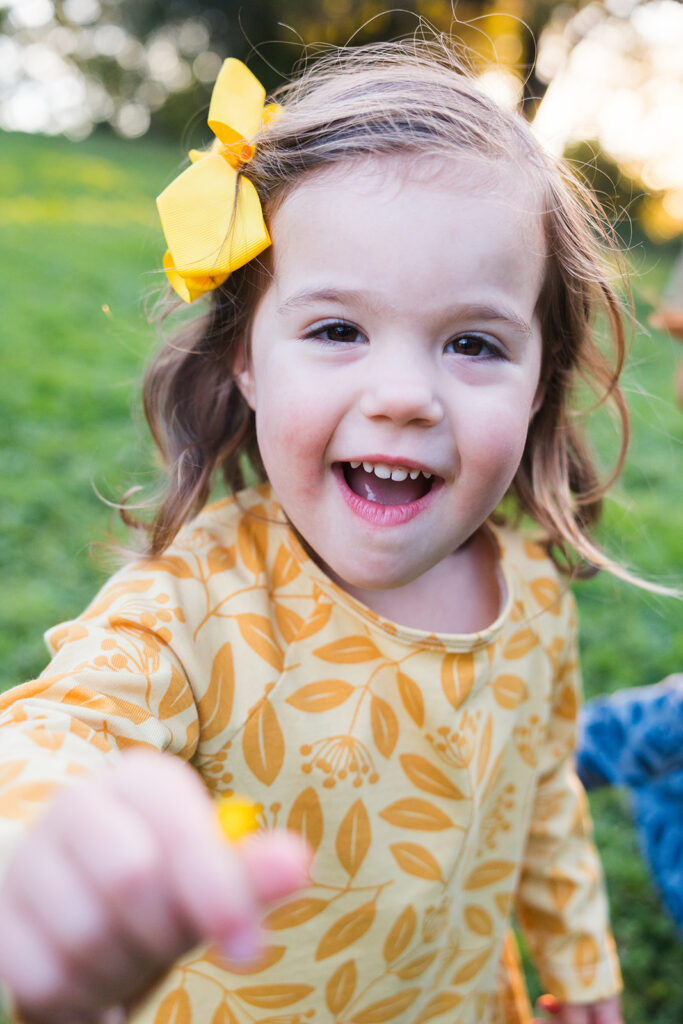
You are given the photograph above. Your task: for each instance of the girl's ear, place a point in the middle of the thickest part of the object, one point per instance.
(244, 377)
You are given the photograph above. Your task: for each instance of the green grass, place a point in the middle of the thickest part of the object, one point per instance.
(80, 232)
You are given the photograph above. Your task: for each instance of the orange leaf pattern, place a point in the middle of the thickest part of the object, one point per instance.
(416, 860)
(384, 725)
(263, 743)
(347, 929)
(341, 986)
(353, 838)
(386, 1009)
(321, 696)
(306, 817)
(400, 935)
(428, 777)
(215, 706)
(407, 760)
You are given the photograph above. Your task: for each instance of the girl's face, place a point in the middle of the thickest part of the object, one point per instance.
(395, 359)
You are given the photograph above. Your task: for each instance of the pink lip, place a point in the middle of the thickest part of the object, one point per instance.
(384, 515)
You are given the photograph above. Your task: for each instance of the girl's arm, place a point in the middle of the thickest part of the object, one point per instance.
(561, 901)
(111, 862)
(125, 872)
(605, 1011)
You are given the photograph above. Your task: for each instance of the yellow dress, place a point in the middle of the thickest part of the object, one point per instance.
(431, 773)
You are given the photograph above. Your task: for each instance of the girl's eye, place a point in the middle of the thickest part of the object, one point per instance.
(337, 332)
(474, 345)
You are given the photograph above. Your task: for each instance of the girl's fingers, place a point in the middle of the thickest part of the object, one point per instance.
(121, 863)
(29, 965)
(608, 1011)
(60, 907)
(211, 889)
(278, 863)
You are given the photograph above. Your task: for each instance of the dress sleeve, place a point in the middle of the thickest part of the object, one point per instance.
(115, 680)
(561, 901)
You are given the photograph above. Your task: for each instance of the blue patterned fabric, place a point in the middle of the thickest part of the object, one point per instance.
(634, 738)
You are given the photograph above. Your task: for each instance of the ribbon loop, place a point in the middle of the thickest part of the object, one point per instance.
(211, 215)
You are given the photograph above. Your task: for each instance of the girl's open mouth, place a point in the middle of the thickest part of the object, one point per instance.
(387, 485)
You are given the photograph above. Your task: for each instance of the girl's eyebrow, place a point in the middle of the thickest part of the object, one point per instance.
(499, 313)
(307, 297)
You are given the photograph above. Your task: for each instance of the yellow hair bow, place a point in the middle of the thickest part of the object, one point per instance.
(211, 215)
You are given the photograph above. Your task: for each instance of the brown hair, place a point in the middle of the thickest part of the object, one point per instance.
(397, 98)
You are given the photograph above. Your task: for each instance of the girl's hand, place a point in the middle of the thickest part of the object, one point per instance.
(605, 1011)
(127, 871)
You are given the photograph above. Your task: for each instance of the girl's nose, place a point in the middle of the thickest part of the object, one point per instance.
(403, 399)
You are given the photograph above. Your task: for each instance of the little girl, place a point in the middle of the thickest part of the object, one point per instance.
(401, 287)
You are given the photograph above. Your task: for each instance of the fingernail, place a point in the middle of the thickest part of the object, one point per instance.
(243, 945)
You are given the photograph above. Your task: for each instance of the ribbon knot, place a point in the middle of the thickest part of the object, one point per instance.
(211, 215)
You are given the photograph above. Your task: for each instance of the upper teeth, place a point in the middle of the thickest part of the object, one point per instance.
(384, 472)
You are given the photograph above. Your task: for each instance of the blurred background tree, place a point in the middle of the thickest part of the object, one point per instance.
(581, 69)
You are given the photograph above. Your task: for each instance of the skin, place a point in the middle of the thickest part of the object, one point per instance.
(113, 885)
(417, 372)
(362, 351)
(605, 1011)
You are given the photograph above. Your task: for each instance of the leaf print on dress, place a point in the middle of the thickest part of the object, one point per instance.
(414, 968)
(214, 708)
(457, 677)
(547, 593)
(520, 644)
(172, 564)
(174, 1008)
(223, 1015)
(471, 968)
(177, 698)
(252, 539)
(509, 691)
(414, 813)
(411, 697)
(384, 725)
(400, 934)
(426, 776)
(257, 630)
(306, 817)
(488, 873)
(294, 913)
(320, 696)
(341, 986)
(346, 930)
(288, 622)
(111, 593)
(350, 650)
(317, 621)
(20, 801)
(353, 838)
(386, 1009)
(441, 1003)
(484, 751)
(416, 860)
(478, 920)
(285, 568)
(586, 959)
(272, 997)
(221, 559)
(263, 744)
